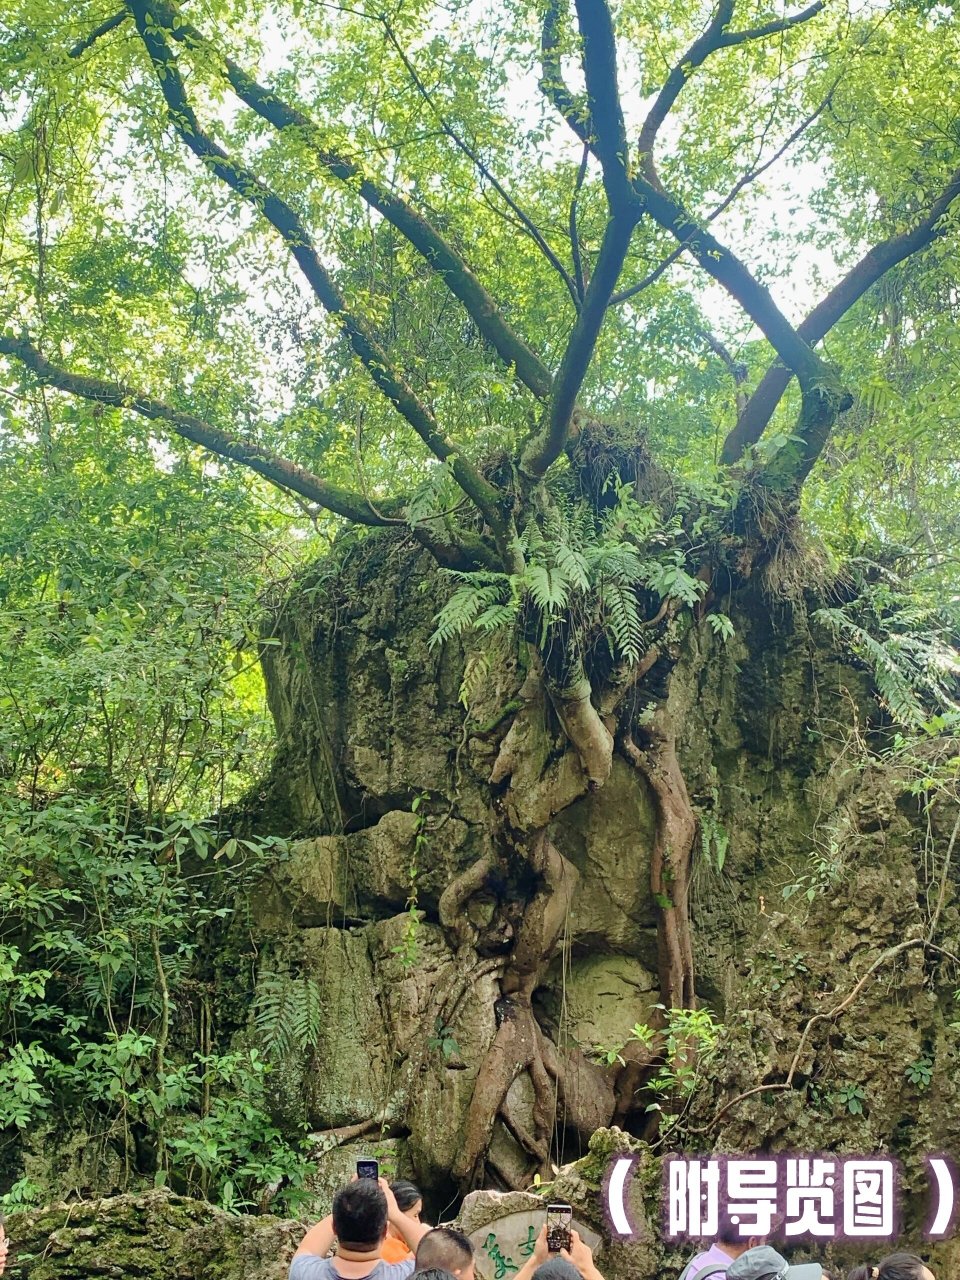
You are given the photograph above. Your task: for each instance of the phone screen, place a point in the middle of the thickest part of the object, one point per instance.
(805, 1271)
(559, 1218)
(368, 1169)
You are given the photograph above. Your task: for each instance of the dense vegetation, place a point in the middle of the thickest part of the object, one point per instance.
(611, 308)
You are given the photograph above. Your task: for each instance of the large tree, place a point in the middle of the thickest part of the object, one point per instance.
(483, 276)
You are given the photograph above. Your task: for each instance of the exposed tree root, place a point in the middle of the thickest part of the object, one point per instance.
(671, 857)
(517, 1046)
(511, 1052)
(581, 722)
(541, 784)
(454, 898)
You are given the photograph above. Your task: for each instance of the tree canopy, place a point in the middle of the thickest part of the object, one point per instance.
(361, 250)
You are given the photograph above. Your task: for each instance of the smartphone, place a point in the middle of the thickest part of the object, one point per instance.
(559, 1218)
(805, 1271)
(368, 1169)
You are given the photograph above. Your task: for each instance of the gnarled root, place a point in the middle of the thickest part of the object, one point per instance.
(513, 1050)
(589, 736)
(671, 858)
(517, 1046)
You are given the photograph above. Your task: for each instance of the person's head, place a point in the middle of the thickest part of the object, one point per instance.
(360, 1216)
(732, 1243)
(758, 1263)
(556, 1269)
(445, 1249)
(896, 1266)
(409, 1200)
(434, 1273)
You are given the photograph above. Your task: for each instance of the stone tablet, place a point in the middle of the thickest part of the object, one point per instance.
(505, 1244)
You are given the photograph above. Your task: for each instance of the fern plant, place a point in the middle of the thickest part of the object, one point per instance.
(597, 569)
(912, 663)
(288, 1013)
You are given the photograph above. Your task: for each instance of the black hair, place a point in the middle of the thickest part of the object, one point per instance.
(406, 1194)
(729, 1233)
(444, 1248)
(435, 1273)
(556, 1269)
(360, 1215)
(901, 1266)
(896, 1266)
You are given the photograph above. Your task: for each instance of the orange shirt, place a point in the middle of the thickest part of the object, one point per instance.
(395, 1250)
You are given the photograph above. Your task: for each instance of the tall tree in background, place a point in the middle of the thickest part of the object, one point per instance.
(453, 271)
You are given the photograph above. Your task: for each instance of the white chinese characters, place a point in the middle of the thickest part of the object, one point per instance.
(791, 1197)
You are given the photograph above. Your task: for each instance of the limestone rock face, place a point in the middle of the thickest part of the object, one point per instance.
(607, 835)
(153, 1235)
(811, 864)
(814, 860)
(601, 998)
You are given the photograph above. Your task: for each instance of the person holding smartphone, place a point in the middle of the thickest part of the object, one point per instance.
(575, 1263)
(361, 1211)
(409, 1198)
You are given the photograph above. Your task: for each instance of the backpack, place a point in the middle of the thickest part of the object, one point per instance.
(702, 1274)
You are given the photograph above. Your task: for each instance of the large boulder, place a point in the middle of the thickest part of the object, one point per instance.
(153, 1235)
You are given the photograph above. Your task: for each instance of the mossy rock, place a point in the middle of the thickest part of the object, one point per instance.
(154, 1236)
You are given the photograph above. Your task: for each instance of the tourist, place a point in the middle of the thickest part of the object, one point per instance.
(712, 1263)
(361, 1212)
(4, 1246)
(898, 1266)
(410, 1202)
(445, 1249)
(573, 1264)
(764, 1263)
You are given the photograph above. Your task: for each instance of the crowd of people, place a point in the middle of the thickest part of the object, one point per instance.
(375, 1232)
(730, 1257)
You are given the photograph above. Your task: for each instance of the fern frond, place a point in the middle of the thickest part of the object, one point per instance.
(463, 607)
(623, 619)
(572, 565)
(548, 588)
(497, 616)
(288, 1013)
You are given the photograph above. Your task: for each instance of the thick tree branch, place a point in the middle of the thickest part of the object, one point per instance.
(718, 261)
(421, 234)
(774, 27)
(871, 267)
(694, 57)
(546, 446)
(820, 406)
(88, 41)
(608, 135)
(715, 37)
(552, 84)
(744, 180)
(465, 550)
(295, 235)
(279, 471)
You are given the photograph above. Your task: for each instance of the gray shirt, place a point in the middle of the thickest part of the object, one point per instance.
(309, 1267)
